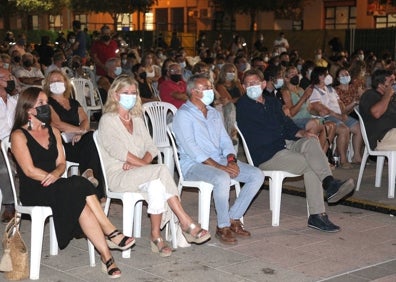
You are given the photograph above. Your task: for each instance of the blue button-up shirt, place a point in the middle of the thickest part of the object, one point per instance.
(200, 138)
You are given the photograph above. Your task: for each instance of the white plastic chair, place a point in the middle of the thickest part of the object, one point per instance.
(158, 114)
(131, 207)
(275, 182)
(83, 89)
(391, 155)
(38, 215)
(205, 189)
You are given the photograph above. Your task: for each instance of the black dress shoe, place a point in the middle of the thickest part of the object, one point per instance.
(339, 190)
(8, 214)
(321, 222)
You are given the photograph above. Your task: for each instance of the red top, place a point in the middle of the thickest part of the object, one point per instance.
(104, 52)
(167, 87)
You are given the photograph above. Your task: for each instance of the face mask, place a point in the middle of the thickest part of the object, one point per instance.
(17, 59)
(182, 65)
(242, 67)
(219, 66)
(230, 76)
(143, 75)
(254, 92)
(361, 57)
(266, 59)
(318, 57)
(57, 88)
(345, 79)
(72, 41)
(10, 86)
(299, 68)
(6, 65)
(127, 101)
(176, 77)
(124, 62)
(279, 83)
(295, 80)
(44, 113)
(328, 79)
(208, 96)
(27, 63)
(118, 71)
(106, 37)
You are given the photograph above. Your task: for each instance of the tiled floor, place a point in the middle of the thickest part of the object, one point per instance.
(364, 250)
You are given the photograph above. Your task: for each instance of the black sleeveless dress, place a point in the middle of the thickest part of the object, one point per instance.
(66, 197)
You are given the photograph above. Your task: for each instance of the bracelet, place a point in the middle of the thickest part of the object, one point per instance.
(231, 159)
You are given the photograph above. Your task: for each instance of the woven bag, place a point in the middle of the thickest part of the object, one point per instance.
(15, 260)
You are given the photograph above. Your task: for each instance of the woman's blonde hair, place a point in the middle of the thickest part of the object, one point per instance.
(119, 83)
(68, 87)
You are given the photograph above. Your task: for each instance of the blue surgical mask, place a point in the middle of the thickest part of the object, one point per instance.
(345, 79)
(208, 96)
(279, 83)
(182, 65)
(6, 65)
(254, 92)
(127, 101)
(118, 71)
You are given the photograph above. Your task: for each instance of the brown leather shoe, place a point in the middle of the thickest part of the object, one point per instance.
(8, 213)
(225, 236)
(238, 228)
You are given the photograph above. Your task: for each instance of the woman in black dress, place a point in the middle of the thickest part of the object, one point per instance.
(38, 151)
(69, 117)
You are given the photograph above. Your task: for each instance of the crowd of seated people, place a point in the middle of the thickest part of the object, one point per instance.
(317, 93)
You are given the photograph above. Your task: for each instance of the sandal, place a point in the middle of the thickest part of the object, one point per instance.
(165, 251)
(122, 246)
(110, 271)
(88, 174)
(198, 238)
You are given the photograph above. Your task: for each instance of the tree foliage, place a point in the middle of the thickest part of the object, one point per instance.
(39, 6)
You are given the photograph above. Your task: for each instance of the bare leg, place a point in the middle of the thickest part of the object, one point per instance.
(156, 233)
(357, 141)
(184, 218)
(91, 227)
(342, 142)
(104, 222)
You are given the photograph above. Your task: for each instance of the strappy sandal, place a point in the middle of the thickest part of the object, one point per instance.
(122, 246)
(111, 271)
(88, 174)
(199, 238)
(163, 250)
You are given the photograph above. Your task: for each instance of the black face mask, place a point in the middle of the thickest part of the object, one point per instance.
(10, 86)
(143, 75)
(106, 37)
(295, 80)
(176, 77)
(17, 59)
(27, 63)
(44, 113)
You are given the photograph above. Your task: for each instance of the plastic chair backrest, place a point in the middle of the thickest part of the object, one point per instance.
(245, 147)
(158, 112)
(84, 90)
(363, 129)
(5, 147)
(171, 136)
(95, 138)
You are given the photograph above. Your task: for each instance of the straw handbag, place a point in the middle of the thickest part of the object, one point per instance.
(15, 260)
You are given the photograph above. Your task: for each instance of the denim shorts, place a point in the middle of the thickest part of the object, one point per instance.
(349, 122)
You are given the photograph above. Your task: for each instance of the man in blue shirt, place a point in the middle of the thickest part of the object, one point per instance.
(277, 143)
(207, 154)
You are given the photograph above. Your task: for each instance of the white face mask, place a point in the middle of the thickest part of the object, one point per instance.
(127, 101)
(309, 74)
(254, 92)
(345, 79)
(328, 79)
(118, 71)
(230, 76)
(57, 88)
(208, 96)
(279, 83)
